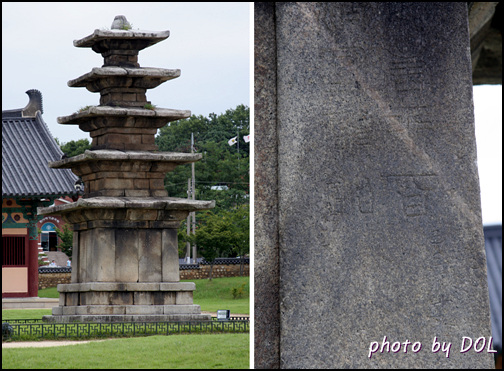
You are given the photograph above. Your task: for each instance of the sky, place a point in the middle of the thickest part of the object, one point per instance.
(488, 118)
(209, 43)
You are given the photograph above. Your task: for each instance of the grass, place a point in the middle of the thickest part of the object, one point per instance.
(8, 314)
(83, 109)
(197, 351)
(149, 106)
(50, 292)
(218, 294)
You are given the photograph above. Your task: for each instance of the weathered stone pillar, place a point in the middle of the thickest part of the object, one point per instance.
(379, 217)
(266, 274)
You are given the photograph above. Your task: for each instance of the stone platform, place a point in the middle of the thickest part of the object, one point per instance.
(127, 294)
(124, 302)
(126, 318)
(28, 303)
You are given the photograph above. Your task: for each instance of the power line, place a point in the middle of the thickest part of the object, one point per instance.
(214, 182)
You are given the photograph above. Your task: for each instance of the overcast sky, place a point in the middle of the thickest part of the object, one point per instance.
(209, 43)
(488, 117)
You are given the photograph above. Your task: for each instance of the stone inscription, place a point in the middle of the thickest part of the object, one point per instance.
(365, 196)
(413, 189)
(346, 197)
(407, 77)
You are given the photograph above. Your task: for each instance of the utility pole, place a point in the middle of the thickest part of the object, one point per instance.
(195, 256)
(188, 225)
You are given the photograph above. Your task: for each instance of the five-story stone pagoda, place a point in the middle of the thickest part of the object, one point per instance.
(125, 263)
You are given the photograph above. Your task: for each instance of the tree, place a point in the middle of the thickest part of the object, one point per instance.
(224, 233)
(225, 199)
(240, 223)
(221, 163)
(66, 236)
(211, 237)
(74, 147)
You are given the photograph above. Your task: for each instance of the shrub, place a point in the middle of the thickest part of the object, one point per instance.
(239, 291)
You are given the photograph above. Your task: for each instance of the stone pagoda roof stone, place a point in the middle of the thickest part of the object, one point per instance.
(144, 77)
(101, 111)
(93, 40)
(115, 155)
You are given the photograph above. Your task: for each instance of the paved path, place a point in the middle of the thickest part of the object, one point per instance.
(214, 314)
(44, 343)
(29, 303)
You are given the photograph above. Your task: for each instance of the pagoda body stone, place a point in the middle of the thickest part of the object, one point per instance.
(125, 251)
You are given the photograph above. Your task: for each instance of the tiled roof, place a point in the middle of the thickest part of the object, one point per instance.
(493, 248)
(27, 147)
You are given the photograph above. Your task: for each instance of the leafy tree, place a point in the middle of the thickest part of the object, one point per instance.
(74, 147)
(221, 163)
(211, 238)
(41, 261)
(226, 233)
(225, 199)
(240, 224)
(66, 236)
(176, 136)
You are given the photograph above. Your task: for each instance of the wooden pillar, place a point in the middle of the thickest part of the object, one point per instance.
(32, 258)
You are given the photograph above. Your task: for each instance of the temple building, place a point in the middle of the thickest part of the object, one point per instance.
(27, 183)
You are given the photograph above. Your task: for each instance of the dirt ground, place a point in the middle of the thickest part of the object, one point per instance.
(44, 343)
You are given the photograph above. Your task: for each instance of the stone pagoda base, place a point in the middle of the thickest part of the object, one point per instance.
(126, 318)
(125, 261)
(126, 302)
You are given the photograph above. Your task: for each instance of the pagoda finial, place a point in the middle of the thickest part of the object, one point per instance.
(120, 23)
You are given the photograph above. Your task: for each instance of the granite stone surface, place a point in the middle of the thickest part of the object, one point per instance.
(380, 231)
(108, 318)
(266, 275)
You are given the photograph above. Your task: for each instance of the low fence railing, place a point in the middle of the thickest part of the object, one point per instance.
(182, 265)
(26, 329)
(39, 320)
(47, 269)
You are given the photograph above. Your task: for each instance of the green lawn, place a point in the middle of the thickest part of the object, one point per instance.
(217, 294)
(8, 314)
(50, 292)
(195, 351)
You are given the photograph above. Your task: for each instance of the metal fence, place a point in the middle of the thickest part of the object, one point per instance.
(182, 265)
(35, 328)
(39, 320)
